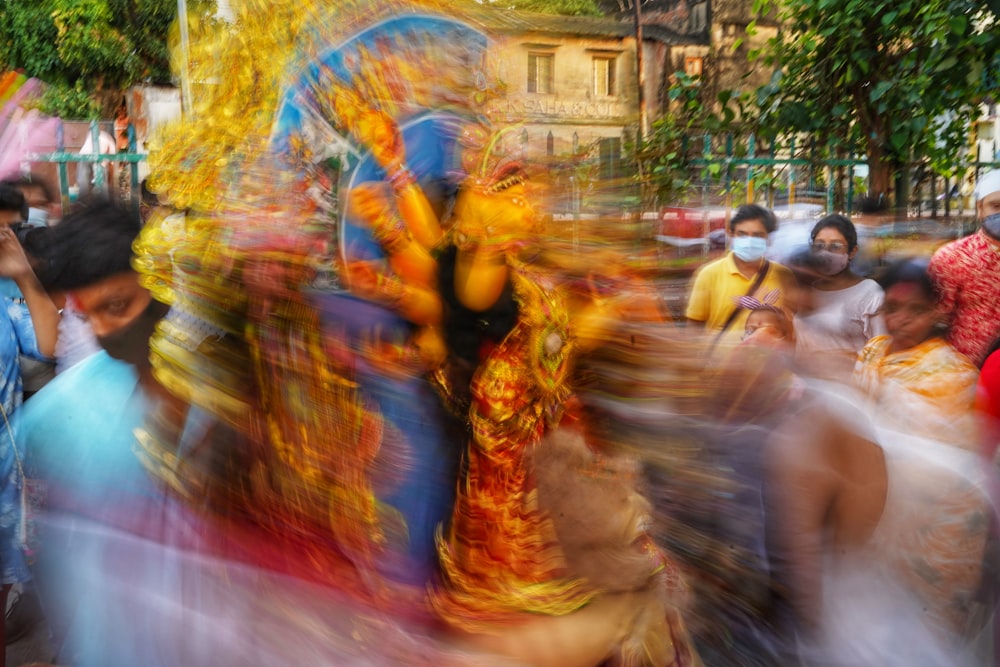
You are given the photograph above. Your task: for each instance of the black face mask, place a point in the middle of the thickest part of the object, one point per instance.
(131, 343)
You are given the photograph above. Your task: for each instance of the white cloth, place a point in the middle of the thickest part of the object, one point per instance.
(76, 339)
(876, 612)
(989, 182)
(105, 142)
(841, 322)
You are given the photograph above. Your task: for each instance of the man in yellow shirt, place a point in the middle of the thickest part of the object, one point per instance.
(718, 285)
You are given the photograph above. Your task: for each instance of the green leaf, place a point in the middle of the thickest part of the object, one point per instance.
(880, 89)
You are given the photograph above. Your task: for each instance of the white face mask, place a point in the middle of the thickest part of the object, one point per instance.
(831, 263)
(38, 217)
(749, 248)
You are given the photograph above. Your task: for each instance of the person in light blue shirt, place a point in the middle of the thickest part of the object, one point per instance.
(33, 334)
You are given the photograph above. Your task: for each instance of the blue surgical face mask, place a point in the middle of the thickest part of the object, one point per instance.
(38, 217)
(749, 248)
(992, 225)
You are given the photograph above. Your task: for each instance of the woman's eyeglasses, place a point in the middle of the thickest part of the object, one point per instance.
(835, 246)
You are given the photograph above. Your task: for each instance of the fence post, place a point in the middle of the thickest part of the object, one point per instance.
(728, 198)
(791, 175)
(850, 186)
(63, 172)
(706, 151)
(729, 161)
(947, 197)
(829, 189)
(134, 168)
(769, 196)
(752, 154)
(934, 206)
(99, 170)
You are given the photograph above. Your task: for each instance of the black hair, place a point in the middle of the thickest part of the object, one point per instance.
(93, 242)
(753, 212)
(910, 271)
(842, 224)
(32, 181)
(804, 261)
(12, 199)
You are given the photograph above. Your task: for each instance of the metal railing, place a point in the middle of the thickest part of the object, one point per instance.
(97, 161)
(719, 170)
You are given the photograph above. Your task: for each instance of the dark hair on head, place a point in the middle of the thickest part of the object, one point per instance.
(93, 242)
(842, 224)
(35, 240)
(12, 199)
(911, 271)
(32, 181)
(803, 262)
(753, 212)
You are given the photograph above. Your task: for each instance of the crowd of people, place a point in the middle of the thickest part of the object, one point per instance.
(373, 408)
(801, 473)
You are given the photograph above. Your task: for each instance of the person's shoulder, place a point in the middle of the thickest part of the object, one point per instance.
(782, 271)
(943, 353)
(716, 267)
(842, 404)
(955, 250)
(97, 386)
(875, 347)
(869, 287)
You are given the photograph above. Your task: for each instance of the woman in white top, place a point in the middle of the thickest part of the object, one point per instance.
(841, 311)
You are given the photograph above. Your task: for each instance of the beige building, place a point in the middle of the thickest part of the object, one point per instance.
(571, 83)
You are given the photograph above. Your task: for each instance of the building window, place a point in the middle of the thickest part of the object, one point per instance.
(693, 66)
(610, 158)
(604, 76)
(540, 66)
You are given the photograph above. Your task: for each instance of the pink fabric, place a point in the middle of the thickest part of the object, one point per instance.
(988, 404)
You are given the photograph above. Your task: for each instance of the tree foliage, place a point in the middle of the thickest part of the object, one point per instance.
(898, 80)
(562, 7)
(98, 46)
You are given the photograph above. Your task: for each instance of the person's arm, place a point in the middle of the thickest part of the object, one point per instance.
(940, 269)
(415, 303)
(800, 487)
(408, 258)
(382, 135)
(699, 302)
(871, 314)
(44, 314)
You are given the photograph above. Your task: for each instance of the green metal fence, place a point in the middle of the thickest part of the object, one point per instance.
(721, 169)
(132, 158)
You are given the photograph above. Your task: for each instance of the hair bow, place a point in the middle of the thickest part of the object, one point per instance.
(752, 303)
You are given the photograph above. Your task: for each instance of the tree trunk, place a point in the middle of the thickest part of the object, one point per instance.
(902, 190)
(880, 175)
